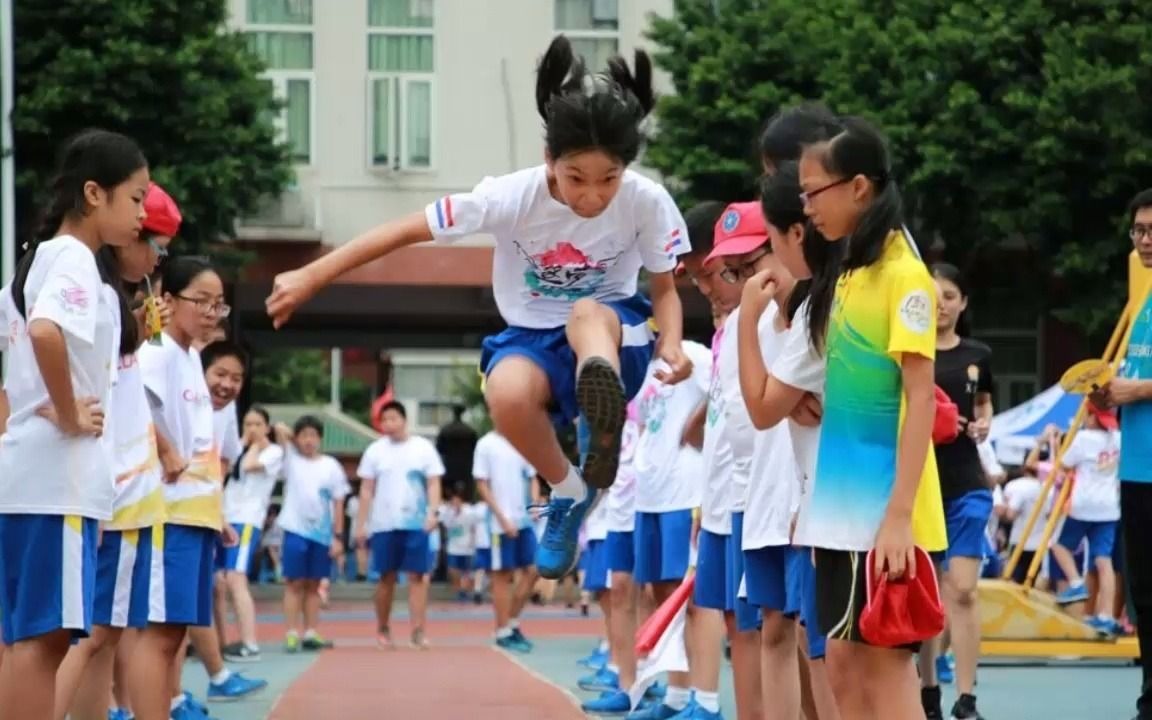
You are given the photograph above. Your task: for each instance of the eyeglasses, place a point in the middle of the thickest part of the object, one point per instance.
(161, 252)
(806, 197)
(208, 307)
(733, 275)
(1140, 231)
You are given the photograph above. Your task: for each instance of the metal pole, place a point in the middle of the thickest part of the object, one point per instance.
(8, 157)
(336, 366)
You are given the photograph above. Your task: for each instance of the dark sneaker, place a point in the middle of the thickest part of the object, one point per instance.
(930, 701)
(965, 708)
(603, 407)
(239, 652)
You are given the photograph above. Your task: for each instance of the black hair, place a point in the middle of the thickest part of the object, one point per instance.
(1143, 199)
(701, 223)
(394, 405)
(262, 412)
(789, 130)
(308, 421)
(783, 208)
(860, 149)
(951, 273)
(178, 273)
(213, 351)
(592, 111)
(107, 159)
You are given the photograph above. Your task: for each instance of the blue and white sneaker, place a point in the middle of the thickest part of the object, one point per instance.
(945, 669)
(1072, 594)
(610, 702)
(558, 550)
(524, 642)
(603, 680)
(658, 711)
(656, 691)
(1104, 626)
(234, 688)
(595, 660)
(197, 706)
(512, 644)
(188, 711)
(697, 712)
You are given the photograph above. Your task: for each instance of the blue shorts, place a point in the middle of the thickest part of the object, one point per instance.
(182, 595)
(509, 553)
(123, 578)
(620, 552)
(769, 578)
(548, 349)
(803, 577)
(747, 615)
(460, 563)
(662, 542)
(239, 559)
(711, 590)
(401, 551)
(596, 571)
(47, 574)
(1101, 537)
(967, 520)
(304, 559)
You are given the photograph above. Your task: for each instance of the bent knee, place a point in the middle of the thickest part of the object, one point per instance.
(515, 384)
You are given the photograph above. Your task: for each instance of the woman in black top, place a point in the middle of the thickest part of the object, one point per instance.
(964, 372)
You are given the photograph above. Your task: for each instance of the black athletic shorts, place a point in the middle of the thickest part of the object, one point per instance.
(841, 593)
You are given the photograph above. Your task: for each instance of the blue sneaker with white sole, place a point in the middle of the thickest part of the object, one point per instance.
(595, 659)
(234, 688)
(186, 711)
(603, 680)
(512, 644)
(557, 553)
(657, 711)
(697, 712)
(610, 702)
(1072, 594)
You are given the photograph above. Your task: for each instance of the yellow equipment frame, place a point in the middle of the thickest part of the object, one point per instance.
(1021, 621)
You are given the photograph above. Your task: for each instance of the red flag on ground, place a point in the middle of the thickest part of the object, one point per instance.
(654, 627)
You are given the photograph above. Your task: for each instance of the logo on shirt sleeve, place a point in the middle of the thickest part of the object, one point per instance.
(916, 312)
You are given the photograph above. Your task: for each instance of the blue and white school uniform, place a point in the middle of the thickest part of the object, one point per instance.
(547, 258)
(594, 558)
(246, 501)
(186, 543)
(1094, 508)
(126, 566)
(620, 501)
(54, 489)
(510, 478)
(669, 474)
(400, 471)
(458, 524)
(314, 491)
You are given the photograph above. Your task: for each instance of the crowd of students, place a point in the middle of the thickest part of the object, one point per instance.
(789, 465)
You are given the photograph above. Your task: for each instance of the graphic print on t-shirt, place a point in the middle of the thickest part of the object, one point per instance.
(564, 272)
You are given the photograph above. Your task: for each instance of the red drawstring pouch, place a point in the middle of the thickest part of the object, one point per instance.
(904, 611)
(945, 428)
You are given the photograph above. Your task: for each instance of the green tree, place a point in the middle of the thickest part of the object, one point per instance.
(1017, 121)
(167, 73)
(303, 377)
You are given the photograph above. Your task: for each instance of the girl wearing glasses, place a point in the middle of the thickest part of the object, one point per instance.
(875, 485)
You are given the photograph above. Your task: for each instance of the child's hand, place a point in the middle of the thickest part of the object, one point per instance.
(808, 412)
(681, 366)
(228, 536)
(290, 290)
(759, 290)
(895, 549)
(89, 421)
(173, 464)
(336, 549)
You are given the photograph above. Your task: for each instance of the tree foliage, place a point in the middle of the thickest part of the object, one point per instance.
(1020, 122)
(165, 72)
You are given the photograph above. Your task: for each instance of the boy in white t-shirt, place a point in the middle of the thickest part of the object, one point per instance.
(400, 489)
(458, 519)
(505, 483)
(1093, 514)
(571, 237)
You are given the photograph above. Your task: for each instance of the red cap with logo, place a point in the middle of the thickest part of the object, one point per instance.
(739, 230)
(1106, 418)
(163, 215)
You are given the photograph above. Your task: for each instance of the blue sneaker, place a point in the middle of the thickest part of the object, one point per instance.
(1072, 594)
(557, 553)
(612, 702)
(188, 711)
(523, 641)
(234, 688)
(118, 714)
(603, 680)
(603, 408)
(197, 706)
(656, 691)
(595, 660)
(944, 669)
(696, 712)
(1104, 626)
(658, 711)
(511, 644)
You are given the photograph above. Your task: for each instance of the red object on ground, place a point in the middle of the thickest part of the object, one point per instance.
(905, 611)
(653, 628)
(946, 427)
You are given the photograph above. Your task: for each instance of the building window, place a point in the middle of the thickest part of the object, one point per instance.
(593, 26)
(280, 32)
(401, 66)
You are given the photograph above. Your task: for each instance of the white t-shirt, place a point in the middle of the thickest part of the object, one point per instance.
(509, 475)
(1021, 495)
(311, 486)
(459, 524)
(226, 431)
(482, 530)
(43, 471)
(774, 478)
(401, 471)
(801, 367)
(718, 500)
(246, 499)
(547, 257)
(182, 413)
(131, 439)
(1095, 455)
(664, 411)
(621, 500)
(596, 526)
(352, 509)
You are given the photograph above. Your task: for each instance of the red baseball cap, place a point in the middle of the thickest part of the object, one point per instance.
(905, 611)
(1106, 418)
(739, 230)
(163, 215)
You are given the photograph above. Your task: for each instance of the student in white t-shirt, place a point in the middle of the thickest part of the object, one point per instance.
(56, 477)
(1093, 514)
(124, 558)
(571, 238)
(400, 489)
(504, 482)
(247, 495)
(315, 486)
(459, 520)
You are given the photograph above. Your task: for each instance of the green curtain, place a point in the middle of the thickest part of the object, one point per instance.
(587, 15)
(400, 13)
(280, 12)
(595, 51)
(382, 121)
(401, 53)
(418, 125)
(298, 119)
(283, 50)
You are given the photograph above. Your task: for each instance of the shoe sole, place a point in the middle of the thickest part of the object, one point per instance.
(604, 408)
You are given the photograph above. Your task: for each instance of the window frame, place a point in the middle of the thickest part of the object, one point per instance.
(400, 79)
(279, 78)
(588, 34)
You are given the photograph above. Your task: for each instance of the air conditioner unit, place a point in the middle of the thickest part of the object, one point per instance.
(288, 210)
